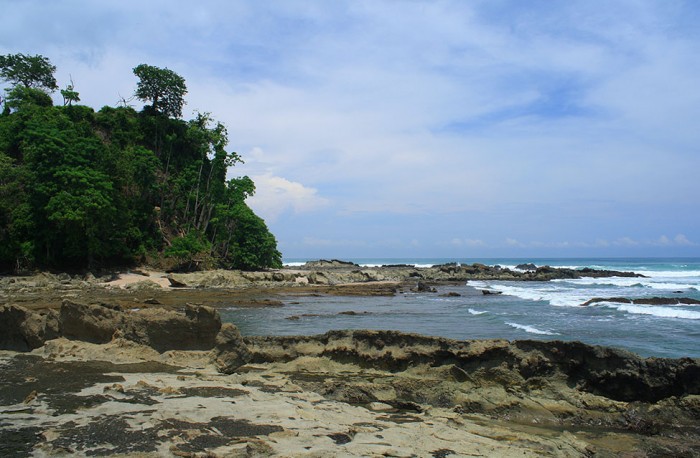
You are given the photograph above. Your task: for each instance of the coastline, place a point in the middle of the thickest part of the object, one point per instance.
(129, 387)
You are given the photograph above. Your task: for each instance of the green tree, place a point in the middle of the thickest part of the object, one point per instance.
(69, 94)
(81, 189)
(164, 88)
(29, 71)
(23, 96)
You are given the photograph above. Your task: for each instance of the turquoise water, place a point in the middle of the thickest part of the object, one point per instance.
(525, 310)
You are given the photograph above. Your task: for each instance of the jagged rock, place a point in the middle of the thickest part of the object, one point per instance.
(318, 278)
(619, 300)
(23, 330)
(333, 263)
(175, 283)
(160, 329)
(230, 351)
(89, 322)
(645, 300)
(490, 292)
(612, 373)
(527, 266)
(423, 288)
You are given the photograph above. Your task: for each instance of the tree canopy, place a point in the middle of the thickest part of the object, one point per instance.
(164, 88)
(82, 189)
(29, 71)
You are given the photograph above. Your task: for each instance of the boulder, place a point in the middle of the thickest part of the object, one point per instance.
(24, 330)
(176, 283)
(165, 330)
(528, 266)
(423, 288)
(89, 322)
(230, 351)
(318, 278)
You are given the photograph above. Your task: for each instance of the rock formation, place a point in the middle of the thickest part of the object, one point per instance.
(199, 328)
(645, 300)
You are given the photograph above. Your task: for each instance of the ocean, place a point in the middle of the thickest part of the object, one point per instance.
(524, 310)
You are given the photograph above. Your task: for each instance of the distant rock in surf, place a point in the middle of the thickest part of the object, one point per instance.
(645, 301)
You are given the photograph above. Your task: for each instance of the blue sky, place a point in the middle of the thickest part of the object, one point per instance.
(410, 128)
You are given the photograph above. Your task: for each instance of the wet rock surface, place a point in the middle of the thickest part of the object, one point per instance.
(645, 300)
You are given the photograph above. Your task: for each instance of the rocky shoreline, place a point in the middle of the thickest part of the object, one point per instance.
(47, 290)
(140, 364)
(90, 379)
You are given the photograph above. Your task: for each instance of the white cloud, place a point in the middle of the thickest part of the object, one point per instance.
(682, 240)
(275, 195)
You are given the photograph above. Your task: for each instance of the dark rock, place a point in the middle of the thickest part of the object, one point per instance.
(230, 351)
(333, 263)
(619, 300)
(528, 266)
(667, 301)
(490, 292)
(166, 330)
(88, 322)
(176, 283)
(23, 330)
(423, 288)
(341, 438)
(645, 300)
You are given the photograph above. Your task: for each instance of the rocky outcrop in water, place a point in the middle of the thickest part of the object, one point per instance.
(645, 300)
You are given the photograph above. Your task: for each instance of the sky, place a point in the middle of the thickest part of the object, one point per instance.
(495, 128)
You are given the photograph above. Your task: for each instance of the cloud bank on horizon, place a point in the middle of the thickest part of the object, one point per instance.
(410, 128)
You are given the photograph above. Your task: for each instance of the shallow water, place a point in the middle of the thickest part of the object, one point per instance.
(525, 310)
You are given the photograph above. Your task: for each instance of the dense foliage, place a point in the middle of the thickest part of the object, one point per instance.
(84, 189)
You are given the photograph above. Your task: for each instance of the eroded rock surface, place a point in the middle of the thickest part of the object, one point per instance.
(199, 328)
(163, 383)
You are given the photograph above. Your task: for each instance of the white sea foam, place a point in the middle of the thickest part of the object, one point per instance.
(651, 283)
(531, 330)
(477, 312)
(662, 312)
(548, 292)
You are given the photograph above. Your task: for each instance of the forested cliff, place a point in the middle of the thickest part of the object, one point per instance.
(84, 189)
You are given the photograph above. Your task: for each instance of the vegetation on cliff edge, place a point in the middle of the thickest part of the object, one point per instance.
(85, 189)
